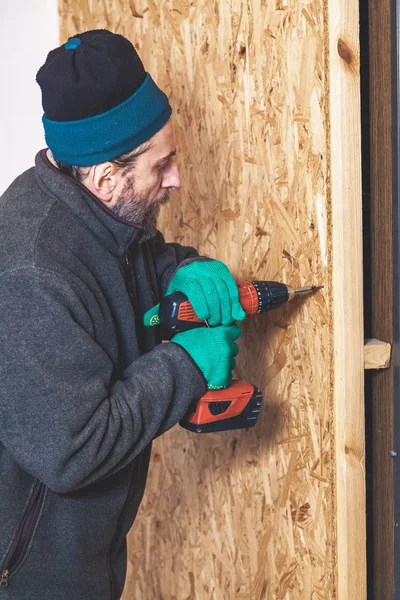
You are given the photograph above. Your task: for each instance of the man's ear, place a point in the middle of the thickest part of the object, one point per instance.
(102, 181)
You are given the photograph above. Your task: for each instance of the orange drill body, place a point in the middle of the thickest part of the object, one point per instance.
(248, 299)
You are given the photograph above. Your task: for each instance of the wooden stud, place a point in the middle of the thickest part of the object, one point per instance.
(345, 140)
(381, 17)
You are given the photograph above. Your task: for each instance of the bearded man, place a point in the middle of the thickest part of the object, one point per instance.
(86, 386)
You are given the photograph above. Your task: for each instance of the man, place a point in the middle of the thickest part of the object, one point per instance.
(86, 386)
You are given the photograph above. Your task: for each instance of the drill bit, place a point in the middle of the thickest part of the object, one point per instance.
(313, 288)
(292, 292)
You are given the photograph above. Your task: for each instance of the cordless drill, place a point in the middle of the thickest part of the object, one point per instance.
(237, 406)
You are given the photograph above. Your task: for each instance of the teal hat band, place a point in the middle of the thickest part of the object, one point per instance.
(105, 136)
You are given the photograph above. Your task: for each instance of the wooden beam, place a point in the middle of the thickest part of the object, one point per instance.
(348, 307)
(376, 354)
(380, 52)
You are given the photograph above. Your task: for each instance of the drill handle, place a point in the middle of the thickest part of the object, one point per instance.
(176, 314)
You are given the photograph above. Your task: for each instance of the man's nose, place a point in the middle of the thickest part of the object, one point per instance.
(171, 178)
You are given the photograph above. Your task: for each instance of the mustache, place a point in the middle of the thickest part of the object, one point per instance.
(164, 198)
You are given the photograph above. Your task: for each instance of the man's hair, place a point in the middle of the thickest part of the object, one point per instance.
(125, 161)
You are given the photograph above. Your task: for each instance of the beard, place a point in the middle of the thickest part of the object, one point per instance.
(134, 209)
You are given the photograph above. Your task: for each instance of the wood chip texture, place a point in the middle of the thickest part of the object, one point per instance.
(244, 515)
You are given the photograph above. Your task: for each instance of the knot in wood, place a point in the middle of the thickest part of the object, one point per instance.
(344, 51)
(348, 55)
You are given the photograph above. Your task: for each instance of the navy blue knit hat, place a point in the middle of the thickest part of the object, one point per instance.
(98, 100)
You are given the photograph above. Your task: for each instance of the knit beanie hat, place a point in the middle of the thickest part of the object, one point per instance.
(98, 100)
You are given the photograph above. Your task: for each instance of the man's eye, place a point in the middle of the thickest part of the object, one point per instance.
(165, 164)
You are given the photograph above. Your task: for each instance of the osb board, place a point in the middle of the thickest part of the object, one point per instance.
(249, 514)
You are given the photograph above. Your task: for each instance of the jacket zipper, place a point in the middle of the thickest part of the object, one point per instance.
(132, 292)
(155, 295)
(23, 537)
(130, 284)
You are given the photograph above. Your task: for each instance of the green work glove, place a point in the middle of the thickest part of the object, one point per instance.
(210, 289)
(213, 350)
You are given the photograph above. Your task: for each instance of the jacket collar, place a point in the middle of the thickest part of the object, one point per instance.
(114, 233)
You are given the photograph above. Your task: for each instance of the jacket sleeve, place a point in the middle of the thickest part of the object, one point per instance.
(167, 257)
(65, 416)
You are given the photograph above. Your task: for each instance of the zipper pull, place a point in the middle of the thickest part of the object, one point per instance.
(4, 579)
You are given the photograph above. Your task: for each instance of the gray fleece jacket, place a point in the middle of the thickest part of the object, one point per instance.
(84, 386)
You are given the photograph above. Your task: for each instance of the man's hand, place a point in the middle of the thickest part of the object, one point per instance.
(211, 290)
(213, 350)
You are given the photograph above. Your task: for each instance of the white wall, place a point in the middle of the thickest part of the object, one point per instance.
(29, 29)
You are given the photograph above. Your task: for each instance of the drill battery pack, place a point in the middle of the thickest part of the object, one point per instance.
(235, 407)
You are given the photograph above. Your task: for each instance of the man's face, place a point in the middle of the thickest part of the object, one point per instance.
(143, 190)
